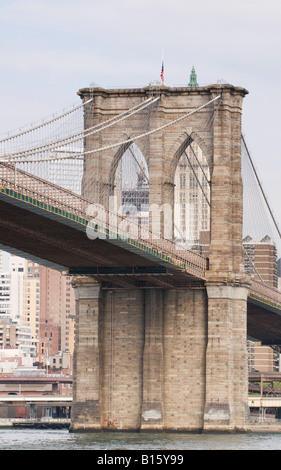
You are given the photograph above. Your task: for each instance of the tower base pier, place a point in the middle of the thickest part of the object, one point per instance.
(85, 412)
(159, 360)
(226, 407)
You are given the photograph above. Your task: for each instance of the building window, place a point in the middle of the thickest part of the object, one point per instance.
(182, 180)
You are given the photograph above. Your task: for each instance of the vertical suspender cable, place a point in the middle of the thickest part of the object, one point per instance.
(259, 183)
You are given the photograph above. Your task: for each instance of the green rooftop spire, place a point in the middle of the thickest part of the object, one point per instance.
(193, 78)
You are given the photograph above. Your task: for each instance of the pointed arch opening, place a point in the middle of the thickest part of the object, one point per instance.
(130, 182)
(192, 199)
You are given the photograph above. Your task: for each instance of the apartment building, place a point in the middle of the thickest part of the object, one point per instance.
(14, 335)
(38, 300)
(57, 311)
(261, 260)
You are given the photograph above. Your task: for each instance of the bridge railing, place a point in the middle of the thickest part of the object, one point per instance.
(112, 225)
(267, 293)
(38, 188)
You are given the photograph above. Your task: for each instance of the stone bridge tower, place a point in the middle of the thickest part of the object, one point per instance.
(173, 359)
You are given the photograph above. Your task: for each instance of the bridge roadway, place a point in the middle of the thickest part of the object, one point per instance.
(48, 224)
(54, 400)
(44, 380)
(259, 377)
(47, 379)
(57, 400)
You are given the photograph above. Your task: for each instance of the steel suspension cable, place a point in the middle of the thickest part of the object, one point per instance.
(51, 121)
(260, 186)
(85, 133)
(133, 139)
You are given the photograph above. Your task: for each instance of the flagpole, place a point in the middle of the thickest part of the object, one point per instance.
(162, 69)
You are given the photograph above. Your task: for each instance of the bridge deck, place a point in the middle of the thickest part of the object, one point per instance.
(47, 223)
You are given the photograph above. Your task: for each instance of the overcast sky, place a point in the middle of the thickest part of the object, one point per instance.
(51, 48)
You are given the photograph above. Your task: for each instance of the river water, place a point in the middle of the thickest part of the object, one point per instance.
(31, 439)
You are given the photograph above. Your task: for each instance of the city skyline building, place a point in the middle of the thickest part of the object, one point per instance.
(17, 268)
(38, 303)
(260, 260)
(191, 196)
(57, 311)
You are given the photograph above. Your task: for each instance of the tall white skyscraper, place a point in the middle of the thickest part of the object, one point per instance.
(192, 193)
(17, 267)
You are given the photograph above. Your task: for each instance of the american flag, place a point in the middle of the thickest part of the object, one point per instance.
(162, 73)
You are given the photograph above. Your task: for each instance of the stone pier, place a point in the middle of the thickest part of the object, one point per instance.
(167, 358)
